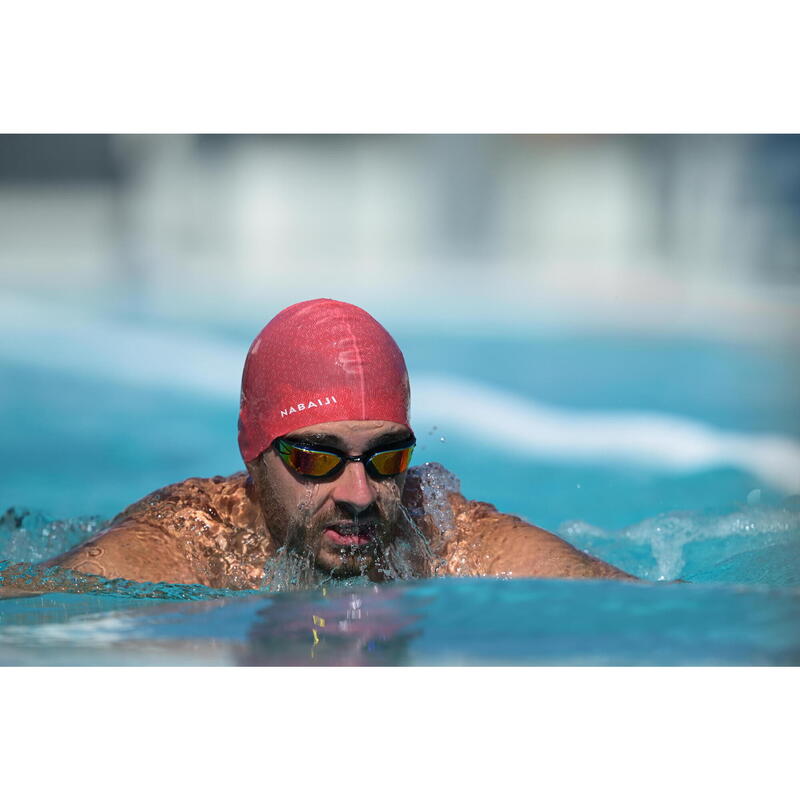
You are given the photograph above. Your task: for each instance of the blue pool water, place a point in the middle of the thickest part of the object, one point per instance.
(670, 458)
(433, 622)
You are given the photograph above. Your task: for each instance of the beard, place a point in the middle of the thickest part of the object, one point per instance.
(388, 544)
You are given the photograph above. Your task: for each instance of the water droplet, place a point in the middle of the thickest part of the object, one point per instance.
(754, 497)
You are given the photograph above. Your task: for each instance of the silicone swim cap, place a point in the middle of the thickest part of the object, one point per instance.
(319, 361)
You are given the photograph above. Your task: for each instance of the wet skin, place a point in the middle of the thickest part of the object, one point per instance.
(222, 531)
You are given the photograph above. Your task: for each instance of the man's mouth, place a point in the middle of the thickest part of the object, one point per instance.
(350, 535)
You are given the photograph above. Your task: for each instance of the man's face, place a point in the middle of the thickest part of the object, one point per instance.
(344, 522)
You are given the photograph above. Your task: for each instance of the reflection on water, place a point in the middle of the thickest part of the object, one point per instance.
(439, 621)
(369, 627)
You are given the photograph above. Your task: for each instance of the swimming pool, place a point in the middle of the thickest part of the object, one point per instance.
(668, 457)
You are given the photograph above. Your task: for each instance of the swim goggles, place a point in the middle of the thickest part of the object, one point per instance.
(325, 462)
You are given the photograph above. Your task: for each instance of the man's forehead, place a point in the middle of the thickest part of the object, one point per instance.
(348, 432)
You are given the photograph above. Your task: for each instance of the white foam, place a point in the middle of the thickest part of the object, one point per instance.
(667, 536)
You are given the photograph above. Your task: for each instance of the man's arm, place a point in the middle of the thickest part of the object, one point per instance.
(134, 550)
(486, 542)
(131, 550)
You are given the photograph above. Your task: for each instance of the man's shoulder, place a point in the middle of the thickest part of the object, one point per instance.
(201, 515)
(474, 538)
(219, 497)
(201, 530)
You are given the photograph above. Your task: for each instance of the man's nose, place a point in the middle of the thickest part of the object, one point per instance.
(354, 489)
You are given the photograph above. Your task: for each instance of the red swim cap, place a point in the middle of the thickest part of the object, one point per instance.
(319, 361)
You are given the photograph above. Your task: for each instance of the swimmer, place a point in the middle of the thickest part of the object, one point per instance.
(325, 436)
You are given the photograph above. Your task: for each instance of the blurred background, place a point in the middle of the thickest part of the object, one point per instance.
(598, 328)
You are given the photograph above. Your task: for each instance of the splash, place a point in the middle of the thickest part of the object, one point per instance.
(25, 579)
(290, 571)
(436, 484)
(30, 536)
(690, 545)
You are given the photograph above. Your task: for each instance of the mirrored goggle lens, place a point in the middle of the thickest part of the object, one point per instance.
(314, 463)
(392, 462)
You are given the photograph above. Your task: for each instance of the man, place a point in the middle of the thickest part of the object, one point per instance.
(325, 435)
